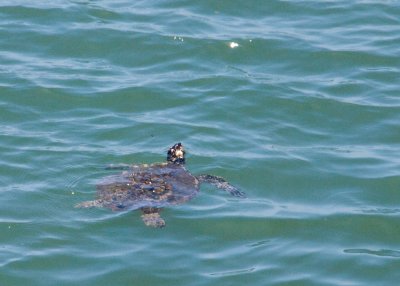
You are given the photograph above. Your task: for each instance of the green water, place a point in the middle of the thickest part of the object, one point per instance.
(295, 102)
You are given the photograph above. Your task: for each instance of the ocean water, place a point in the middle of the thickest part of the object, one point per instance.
(297, 103)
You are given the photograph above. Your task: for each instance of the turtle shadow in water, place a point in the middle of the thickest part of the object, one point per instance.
(150, 187)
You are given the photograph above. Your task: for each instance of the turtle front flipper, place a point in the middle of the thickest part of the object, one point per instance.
(222, 184)
(151, 217)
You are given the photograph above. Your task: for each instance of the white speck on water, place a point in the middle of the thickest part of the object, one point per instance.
(178, 38)
(233, 45)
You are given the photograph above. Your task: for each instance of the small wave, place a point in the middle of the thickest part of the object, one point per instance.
(381, 252)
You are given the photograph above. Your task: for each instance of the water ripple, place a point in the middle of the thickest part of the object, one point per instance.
(295, 103)
(381, 252)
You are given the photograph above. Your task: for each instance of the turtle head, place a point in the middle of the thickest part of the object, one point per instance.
(176, 154)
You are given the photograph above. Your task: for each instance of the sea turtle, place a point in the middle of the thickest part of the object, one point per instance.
(152, 187)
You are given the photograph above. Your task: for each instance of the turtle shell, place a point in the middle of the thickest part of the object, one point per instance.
(155, 185)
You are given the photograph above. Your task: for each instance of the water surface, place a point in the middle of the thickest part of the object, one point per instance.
(297, 103)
